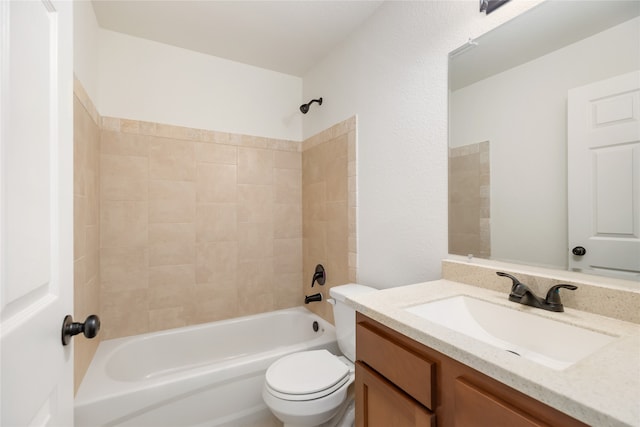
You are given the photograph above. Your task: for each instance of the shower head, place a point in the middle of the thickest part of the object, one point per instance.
(305, 107)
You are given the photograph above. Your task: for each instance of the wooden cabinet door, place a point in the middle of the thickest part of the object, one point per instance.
(476, 407)
(407, 369)
(381, 404)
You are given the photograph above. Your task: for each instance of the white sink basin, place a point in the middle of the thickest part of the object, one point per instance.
(549, 342)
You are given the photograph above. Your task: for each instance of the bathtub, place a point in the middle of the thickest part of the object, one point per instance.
(204, 375)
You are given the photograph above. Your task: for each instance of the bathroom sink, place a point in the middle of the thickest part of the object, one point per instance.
(551, 343)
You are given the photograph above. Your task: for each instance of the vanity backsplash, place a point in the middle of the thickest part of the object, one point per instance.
(616, 298)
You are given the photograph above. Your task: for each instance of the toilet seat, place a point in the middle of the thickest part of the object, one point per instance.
(306, 375)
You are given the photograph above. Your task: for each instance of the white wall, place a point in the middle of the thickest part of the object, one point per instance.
(144, 80)
(392, 73)
(526, 126)
(85, 47)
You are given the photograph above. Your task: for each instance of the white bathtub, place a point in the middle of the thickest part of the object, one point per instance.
(204, 375)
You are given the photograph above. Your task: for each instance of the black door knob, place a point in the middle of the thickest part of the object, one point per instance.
(579, 251)
(89, 328)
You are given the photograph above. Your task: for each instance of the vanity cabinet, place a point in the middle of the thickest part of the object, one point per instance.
(402, 383)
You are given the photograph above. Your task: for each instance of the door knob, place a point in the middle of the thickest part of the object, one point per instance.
(89, 328)
(579, 251)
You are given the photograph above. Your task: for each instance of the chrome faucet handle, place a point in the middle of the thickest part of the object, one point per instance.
(553, 294)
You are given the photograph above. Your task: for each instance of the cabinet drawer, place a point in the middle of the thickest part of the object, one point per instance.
(381, 404)
(410, 371)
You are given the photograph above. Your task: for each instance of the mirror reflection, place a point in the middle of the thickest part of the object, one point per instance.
(508, 139)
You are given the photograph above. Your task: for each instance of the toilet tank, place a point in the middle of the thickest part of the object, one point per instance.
(345, 316)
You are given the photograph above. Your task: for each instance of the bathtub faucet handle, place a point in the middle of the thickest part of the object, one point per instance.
(319, 276)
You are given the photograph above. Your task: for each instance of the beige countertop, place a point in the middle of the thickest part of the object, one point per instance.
(601, 390)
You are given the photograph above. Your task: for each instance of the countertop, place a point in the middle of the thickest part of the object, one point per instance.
(601, 390)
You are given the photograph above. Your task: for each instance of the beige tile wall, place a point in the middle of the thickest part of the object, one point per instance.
(469, 201)
(329, 210)
(196, 226)
(86, 168)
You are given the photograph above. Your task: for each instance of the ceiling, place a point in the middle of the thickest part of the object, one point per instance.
(284, 36)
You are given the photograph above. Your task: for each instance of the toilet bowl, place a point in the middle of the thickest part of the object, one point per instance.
(310, 388)
(307, 388)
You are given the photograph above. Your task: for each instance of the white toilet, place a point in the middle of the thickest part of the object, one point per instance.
(309, 388)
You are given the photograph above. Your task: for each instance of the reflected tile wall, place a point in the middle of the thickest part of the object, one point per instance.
(469, 200)
(196, 226)
(329, 210)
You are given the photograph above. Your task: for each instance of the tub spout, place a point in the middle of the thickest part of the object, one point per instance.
(312, 298)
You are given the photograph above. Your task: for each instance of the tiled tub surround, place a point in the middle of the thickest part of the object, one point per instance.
(177, 226)
(469, 200)
(198, 226)
(329, 210)
(86, 245)
(600, 390)
(195, 226)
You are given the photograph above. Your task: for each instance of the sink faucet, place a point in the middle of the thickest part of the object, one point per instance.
(522, 294)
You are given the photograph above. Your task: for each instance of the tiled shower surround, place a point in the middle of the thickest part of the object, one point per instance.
(86, 228)
(329, 210)
(197, 225)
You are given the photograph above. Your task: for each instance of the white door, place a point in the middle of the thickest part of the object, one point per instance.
(36, 212)
(604, 177)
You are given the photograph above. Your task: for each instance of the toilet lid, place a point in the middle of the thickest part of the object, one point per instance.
(306, 372)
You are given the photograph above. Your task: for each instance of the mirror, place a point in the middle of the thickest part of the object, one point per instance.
(508, 125)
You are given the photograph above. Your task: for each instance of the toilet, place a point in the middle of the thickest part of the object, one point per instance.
(310, 388)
